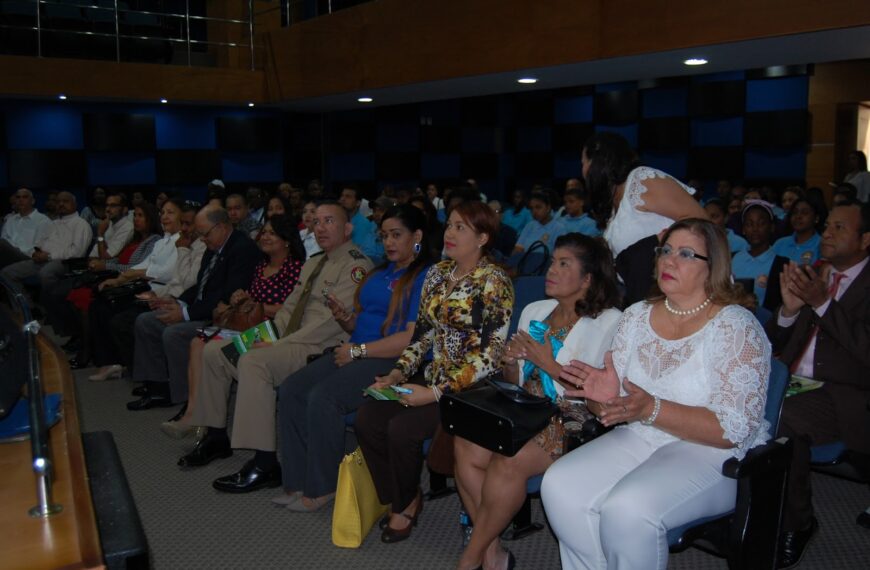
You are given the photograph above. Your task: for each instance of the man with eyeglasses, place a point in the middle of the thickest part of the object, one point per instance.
(114, 232)
(21, 229)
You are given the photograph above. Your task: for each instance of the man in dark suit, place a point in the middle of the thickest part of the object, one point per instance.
(163, 334)
(822, 331)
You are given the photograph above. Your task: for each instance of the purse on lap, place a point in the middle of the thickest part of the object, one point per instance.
(242, 316)
(357, 506)
(496, 415)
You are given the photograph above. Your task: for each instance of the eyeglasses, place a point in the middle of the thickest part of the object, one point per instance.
(684, 253)
(205, 235)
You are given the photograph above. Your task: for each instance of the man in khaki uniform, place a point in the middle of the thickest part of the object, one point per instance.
(306, 326)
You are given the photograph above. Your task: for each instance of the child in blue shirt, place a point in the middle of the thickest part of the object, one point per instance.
(543, 227)
(759, 263)
(715, 208)
(575, 219)
(802, 246)
(517, 215)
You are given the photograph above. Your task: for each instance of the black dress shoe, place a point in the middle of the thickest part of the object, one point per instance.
(149, 401)
(140, 391)
(793, 544)
(205, 451)
(250, 478)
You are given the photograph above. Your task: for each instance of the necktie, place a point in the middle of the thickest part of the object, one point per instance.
(296, 316)
(205, 275)
(832, 294)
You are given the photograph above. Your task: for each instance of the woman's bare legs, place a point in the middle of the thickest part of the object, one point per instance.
(194, 373)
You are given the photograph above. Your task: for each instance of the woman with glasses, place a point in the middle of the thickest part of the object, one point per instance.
(633, 204)
(686, 381)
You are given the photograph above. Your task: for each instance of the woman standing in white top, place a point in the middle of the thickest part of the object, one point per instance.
(633, 204)
(688, 378)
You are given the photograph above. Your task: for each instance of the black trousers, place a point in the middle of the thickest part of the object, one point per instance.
(111, 332)
(391, 438)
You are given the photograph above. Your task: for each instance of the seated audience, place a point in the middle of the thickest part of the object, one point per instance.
(273, 280)
(306, 234)
(278, 205)
(162, 335)
(803, 245)
(306, 326)
(364, 230)
(433, 195)
(789, 196)
(64, 238)
(312, 402)
(688, 375)
(575, 219)
(517, 215)
(822, 332)
(240, 215)
(95, 211)
(759, 263)
(463, 318)
(115, 230)
(718, 215)
(434, 230)
(51, 204)
(21, 229)
(256, 204)
(577, 322)
(844, 193)
(543, 227)
(216, 194)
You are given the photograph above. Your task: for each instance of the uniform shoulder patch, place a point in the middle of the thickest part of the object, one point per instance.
(357, 273)
(356, 254)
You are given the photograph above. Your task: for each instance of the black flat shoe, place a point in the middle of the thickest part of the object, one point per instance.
(205, 451)
(793, 545)
(149, 401)
(140, 391)
(250, 478)
(391, 535)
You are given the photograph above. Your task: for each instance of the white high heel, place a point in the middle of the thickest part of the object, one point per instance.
(111, 372)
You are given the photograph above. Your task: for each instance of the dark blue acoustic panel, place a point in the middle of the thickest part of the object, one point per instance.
(481, 139)
(674, 163)
(398, 138)
(248, 133)
(627, 131)
(665, 102)
(355, 166)
(397, 166)
(786, 93)
(534, 139)
(776, 163)
(717, 132)
(121, 168)
(44, 126)
(252, 166)
(567, 165)
(437, 166)
(573, 109)
(187, 128)
(55, 169)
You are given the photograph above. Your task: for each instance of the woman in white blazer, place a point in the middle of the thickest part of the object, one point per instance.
(577, 322)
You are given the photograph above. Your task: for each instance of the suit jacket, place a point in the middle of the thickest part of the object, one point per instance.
(842, 356)
(233, 270)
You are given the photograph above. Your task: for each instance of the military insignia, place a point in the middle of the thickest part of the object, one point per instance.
(806, 257)
(357, 274)
(761, 281)
(356, 254)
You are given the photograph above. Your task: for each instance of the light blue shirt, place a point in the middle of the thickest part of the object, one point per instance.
(365, 236)
(583, 224)
(744, 266)
(535, 231)
(804, 253)
(517, 221)
(735, 242)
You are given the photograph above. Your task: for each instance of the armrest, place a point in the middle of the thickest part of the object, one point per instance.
(760, 459)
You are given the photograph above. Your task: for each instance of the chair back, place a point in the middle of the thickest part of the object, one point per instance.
(526, 290)
(776, 387)
(535, 260)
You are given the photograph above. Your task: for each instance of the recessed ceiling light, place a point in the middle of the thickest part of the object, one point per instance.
(365, 99)
(250, 104)
(164, 100)
(527, 80)
(695, 61)
(62, 97)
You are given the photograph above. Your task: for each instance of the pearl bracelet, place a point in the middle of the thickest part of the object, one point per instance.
(437, 391)
(657, 407)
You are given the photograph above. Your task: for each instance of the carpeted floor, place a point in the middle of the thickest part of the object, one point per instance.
(189, 525)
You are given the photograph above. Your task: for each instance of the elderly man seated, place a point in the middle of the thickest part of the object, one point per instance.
(306, 326)
(21, 229)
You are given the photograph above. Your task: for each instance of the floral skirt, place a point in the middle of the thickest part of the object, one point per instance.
(571, 417)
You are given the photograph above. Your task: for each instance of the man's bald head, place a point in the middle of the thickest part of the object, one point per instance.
(213, 226)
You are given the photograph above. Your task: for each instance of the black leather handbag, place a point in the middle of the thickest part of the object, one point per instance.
(124, 296)
(496, 415)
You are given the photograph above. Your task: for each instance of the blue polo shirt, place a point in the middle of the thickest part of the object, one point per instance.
(535, 231)
(583, 224)
(804, 253)
(374, 298)
(365, 236)
(735, 242)
(518, 220)
(744, 266)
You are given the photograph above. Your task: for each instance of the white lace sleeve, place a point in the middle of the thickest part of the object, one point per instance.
(621, 339)
(737, 361)
(635, 188)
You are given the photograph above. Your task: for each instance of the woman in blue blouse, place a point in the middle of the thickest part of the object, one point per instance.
(312, 402)
(517, 216)
(802, 246)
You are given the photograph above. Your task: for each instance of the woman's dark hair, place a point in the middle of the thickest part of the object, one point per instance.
(543, 196)
(596, 260)
(717, 202)
(284, 227)
(152, 220)
(413, 219)
(611, 159)
(862, 159)
(482, 220)
(818, 207)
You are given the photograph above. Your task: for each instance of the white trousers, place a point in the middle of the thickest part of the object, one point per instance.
(611, 501)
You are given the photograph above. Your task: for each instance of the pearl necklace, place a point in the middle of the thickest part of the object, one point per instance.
(453, 276)
(688, 312)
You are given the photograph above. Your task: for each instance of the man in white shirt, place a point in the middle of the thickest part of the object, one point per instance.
(21, 229)
(64, 238)
(113, 233)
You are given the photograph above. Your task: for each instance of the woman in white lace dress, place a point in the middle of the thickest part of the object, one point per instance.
(632, 205)
(688, 378)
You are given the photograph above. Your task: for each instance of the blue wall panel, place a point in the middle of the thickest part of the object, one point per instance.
(481, 139)
(121, 168)
(357, 166)
(435, 166)
(667, 102)
(674, 163)
(185, 128)
(534, 139)
(252, 166)
(573, 109)
(627, 131)
(777, 94)
(398, 138)
(44, 126)
(567, 165)
(717, 132)
(778, 163)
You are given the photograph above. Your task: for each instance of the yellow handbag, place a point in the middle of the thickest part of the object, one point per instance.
(357, 507)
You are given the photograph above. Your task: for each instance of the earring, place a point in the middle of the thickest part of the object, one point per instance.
(417, 248)
(480, 245)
